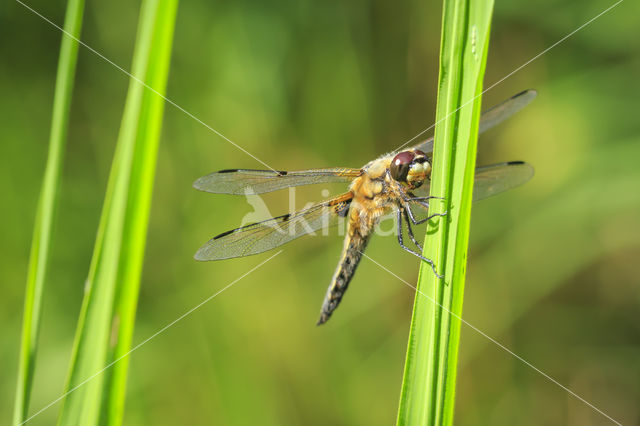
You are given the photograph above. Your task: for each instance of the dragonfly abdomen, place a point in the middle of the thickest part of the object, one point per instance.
(355, 244)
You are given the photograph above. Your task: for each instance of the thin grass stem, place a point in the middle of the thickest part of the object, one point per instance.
(428, 388)
(45, 211)
(107, 317)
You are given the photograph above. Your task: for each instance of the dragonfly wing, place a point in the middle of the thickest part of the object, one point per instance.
(493, 179)
(262, 236)
(425, 146)
(498, 113)
(497, 178)
(493, 116)
(251, 182)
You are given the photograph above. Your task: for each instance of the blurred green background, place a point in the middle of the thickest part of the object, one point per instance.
(553, 270)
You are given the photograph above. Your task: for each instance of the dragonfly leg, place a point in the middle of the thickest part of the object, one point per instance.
(422, 200)
(400, 240)
(430, 197)
(410, 230)
(422, 203)
(421, 221)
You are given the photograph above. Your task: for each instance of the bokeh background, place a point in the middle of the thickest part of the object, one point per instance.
(553, 265)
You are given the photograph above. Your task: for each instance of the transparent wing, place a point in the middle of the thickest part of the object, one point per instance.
(251, 182)
(262, 236)
(493, 179)
(498, 113)
(497, 178)
(493, 116)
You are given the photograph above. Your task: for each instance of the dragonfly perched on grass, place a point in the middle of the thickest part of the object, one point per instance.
(395, 182)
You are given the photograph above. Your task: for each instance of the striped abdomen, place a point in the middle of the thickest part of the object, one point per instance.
(355, 243)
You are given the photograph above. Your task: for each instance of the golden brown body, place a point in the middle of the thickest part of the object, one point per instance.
(375, 194)
(390, 183)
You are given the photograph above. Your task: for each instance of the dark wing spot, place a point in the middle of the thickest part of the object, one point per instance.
(515, 163)
(223, 234)
(285, 217)
(282, 173)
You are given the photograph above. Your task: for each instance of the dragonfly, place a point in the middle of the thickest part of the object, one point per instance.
(397, 182)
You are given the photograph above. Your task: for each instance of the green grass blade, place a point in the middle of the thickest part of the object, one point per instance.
(106, 321)
(45, 212)
(139, 204)
(428, 389)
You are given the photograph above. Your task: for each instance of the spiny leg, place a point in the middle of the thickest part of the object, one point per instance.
(410, 231)
(400, 240)
(421, 221)
(430, 197)
(422, 203)
(421, 200)
(410, 198)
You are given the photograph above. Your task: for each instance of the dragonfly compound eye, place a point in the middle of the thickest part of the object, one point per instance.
(400, 165)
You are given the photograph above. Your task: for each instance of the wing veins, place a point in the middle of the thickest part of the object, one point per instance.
(492, 116)
(244, 240)
(251, 182)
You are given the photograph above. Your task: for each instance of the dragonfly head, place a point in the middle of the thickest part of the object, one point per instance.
(410, 168)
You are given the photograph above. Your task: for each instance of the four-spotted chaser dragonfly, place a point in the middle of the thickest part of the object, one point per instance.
(396, 182)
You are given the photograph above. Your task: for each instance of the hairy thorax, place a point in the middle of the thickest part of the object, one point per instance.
(374, 196)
